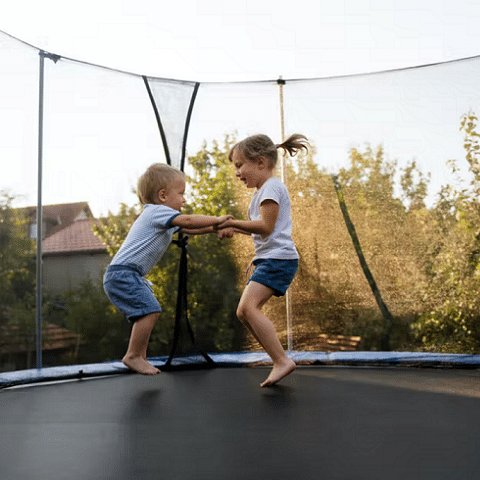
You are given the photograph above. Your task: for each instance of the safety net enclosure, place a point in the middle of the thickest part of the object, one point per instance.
(385, 206)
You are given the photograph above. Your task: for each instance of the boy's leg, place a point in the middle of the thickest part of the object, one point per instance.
(136, 356)
(249, 311)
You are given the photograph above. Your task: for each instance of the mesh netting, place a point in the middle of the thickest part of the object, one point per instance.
(402, 146)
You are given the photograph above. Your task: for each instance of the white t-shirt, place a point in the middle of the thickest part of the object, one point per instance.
(148, 239)
(279, 244)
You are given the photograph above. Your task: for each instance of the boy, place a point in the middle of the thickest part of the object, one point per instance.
(161, 191)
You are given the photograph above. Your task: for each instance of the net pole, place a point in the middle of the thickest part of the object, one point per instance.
(288, 301)
(39, 273)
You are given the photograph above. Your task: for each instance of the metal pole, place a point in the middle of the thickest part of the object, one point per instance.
(38, 308)
(288, 302)
(281, 83)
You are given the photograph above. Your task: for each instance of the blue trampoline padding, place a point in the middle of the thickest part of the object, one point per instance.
(34, 375)
(22, 377)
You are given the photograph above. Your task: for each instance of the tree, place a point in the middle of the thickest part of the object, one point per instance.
(87, 312)
(212, 268)
(451, 321)
(330, 293)
(17, 277)
(17, 254)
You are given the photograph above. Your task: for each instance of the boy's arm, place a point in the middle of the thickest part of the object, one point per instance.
(195, 222)
(268, 218)
(198, 231)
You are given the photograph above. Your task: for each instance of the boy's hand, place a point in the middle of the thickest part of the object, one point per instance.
(225, 233)
(224, 221)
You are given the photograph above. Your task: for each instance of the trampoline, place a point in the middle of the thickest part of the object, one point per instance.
(339, 417)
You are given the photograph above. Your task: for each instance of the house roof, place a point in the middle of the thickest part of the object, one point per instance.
(54, 338)
(61, 215)
(76, 238)
(58, 338)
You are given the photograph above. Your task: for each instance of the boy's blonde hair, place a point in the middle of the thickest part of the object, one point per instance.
(256, 146)
(157, 177)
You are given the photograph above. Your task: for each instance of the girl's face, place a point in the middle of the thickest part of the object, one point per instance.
(173, 195)
(246, 171)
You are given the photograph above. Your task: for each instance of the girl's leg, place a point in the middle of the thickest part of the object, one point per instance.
(136, 356)
(249, 311)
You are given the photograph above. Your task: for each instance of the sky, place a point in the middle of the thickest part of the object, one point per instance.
(220, 40)
(215, 41)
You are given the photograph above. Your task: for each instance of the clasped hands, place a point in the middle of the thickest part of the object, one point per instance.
(223, 228)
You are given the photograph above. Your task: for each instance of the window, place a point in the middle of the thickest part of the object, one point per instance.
(33, 231)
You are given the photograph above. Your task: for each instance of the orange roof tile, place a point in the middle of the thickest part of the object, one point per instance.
(76, 238)
(54, 338)
(59, 216)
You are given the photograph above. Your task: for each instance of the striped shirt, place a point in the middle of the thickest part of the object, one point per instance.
(148, 239)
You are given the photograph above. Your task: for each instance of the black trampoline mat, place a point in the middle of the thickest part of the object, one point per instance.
(319, 423)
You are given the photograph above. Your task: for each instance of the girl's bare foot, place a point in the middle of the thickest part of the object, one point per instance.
(140, 365)
(278, 372)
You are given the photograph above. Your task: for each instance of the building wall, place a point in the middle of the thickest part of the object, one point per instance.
(61, 273)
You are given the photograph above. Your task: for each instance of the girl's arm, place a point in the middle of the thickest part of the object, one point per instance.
(221, 233)
(268, 218)
(237, 230)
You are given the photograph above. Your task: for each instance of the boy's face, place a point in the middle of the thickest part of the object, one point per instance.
(173, 196)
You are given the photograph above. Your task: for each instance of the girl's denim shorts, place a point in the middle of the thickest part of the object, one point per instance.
(275, 274)
(129, 292)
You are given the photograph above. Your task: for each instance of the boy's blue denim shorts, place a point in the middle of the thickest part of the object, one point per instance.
(129, 292)
(275, 274)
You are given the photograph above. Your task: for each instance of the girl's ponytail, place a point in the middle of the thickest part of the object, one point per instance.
(294, 143)
(256, 146)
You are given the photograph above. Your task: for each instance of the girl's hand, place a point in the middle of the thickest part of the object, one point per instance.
(223, 221)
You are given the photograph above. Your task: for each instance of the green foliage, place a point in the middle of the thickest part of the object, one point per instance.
(451, 321)
(17, 254)
(17, 266)
(414, 186)
(17, 278)
(472, 147)
(426, 261)
(86, 311)
(212, 182)
(331, 293)
(114, 229)
(212, 290)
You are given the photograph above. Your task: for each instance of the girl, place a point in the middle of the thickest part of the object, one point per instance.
(269, 222)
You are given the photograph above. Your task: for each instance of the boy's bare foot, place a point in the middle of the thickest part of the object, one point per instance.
(278, 372)
(140, 365)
